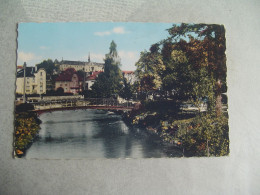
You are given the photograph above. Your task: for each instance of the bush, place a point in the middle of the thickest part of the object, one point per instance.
(24, 107)
(26, 129)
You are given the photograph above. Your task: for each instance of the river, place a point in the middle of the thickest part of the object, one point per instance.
(94, 134)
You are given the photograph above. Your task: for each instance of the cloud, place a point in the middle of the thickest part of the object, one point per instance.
(22, 56)
(119, 30)
(128, 59)
(29, 58)
(116, 30)
(43, 47)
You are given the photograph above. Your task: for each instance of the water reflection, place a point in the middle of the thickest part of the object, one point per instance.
(94, 134)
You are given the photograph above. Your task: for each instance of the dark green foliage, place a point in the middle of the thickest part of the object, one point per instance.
(24, 107)
(205, 135)
(126, 92)
(48, 66)
(110, 81)
(60, 91)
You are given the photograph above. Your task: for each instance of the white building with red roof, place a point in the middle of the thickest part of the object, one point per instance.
(91, 79)
(130, 76)
(70, 81)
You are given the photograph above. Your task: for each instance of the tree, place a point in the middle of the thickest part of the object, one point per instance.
(206, 47)
(126, 91)
(150, 68)
(110, 81)
(60, 91)
(47, 65)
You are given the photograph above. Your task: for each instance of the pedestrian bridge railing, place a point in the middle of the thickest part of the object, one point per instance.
(105, 103)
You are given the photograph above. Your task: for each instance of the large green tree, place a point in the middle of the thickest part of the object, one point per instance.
(150, 68)
(110, 81)
(205, 49)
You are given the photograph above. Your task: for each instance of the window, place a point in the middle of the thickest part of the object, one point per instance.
(41, 73)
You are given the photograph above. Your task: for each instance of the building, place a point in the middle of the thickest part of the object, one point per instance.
(82, 66)
(130, 76)
(70, 81)
(90, 80)
(77, 65)
(94, 67)
(35, 82)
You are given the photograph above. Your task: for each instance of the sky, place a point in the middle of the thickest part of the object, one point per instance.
(75, 41)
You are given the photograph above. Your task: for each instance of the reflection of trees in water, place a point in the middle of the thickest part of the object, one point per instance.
(152, 146)
(111, 133)
(128, 146)
(107, 136)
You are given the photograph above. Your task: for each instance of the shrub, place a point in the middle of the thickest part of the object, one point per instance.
(24, 107)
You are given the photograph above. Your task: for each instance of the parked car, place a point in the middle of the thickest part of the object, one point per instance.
(192, 108)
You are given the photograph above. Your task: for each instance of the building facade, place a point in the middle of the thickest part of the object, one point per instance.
(82, 66)
(35, 82)
(70, 81)
(90, 80)
(77, 65)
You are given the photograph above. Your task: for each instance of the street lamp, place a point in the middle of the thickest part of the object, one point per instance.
(24, 77)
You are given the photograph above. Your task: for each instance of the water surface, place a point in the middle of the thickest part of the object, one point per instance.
(94, 134)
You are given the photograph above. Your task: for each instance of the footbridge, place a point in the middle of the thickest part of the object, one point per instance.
(89, 103)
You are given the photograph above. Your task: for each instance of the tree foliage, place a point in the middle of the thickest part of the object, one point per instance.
(150, 68)
(48, 66)
(205, 49)
(192, 63)
(110, 81)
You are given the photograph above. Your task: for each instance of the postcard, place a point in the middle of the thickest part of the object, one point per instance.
(121, 90)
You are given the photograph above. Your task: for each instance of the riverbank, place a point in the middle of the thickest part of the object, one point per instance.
(197, 134)
(27, 126)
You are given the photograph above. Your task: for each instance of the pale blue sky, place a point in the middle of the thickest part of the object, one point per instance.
(73, 41)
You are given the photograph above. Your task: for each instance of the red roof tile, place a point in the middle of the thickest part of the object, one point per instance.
(127, 71)
(67, 75)
(94, 75)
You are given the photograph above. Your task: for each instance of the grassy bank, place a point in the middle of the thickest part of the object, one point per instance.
(201, 134)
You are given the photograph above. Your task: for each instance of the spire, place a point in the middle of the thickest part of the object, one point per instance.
(89, 57)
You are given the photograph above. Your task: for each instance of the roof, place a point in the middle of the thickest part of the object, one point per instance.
(94, 75)
(20, 67)
(29, 72)
(82, 63)
(67, 75)
(94, 64)
(128, 72)
(73, 62)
